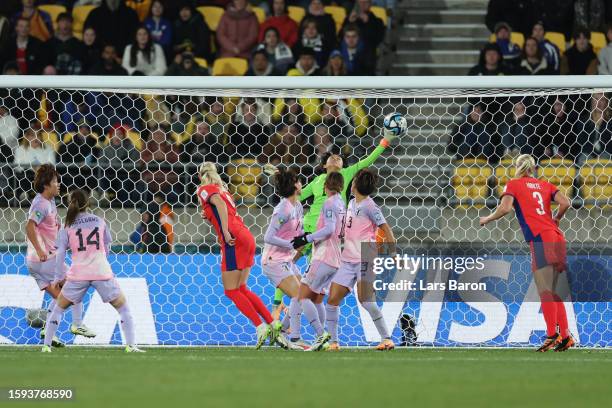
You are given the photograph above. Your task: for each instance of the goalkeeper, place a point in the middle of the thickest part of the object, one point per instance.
(316, 190)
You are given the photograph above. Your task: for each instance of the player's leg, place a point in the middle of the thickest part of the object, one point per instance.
(368, 301)
(44, 277)
(567, 341)
(110, 290)
(290, 286)
(320, 308)
(307, 297)
(53, 320)
(337, 292)
(77, 327)
(279, 306)
(544, 279)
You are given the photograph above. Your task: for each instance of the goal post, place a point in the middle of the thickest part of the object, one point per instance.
(135, 144)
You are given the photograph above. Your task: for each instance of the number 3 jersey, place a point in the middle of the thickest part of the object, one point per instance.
(532, 198)
(362, 220)
(89, 239)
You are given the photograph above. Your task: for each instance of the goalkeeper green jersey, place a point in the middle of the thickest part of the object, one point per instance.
(316, 188)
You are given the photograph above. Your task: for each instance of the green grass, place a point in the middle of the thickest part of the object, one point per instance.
(241, 377)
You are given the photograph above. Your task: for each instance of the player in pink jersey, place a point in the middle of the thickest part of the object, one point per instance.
(88, 238)
(363, 217)
(325, 261)
(41, 232)
(531, 199)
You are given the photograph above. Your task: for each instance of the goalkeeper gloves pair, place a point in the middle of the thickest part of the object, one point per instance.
(299, 241)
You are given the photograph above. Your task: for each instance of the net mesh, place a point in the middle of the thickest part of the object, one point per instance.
(137, 152)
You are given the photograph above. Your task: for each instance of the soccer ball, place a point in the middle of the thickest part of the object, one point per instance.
(395, 123)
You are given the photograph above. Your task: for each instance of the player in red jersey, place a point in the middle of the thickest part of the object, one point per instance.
(238, 253)
(531, 198)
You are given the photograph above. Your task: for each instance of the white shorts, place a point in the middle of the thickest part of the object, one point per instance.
(279, 271)
(43, 272)
(349, 273)
(74, 291)
(319, 276)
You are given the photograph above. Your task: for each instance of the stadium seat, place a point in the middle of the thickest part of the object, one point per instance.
(471, 184)
(53, 10)
(244, 174)
(596, 179)
(339, 15)
(230, 67)
(68, 137)
(502, 175)
(259, 13)
(201, 62)
(79, 14)
(598, 41)
(141, 7)
(51, 139)
(296, 13)
(517, 38)
(381, 13)
(212, 16)
(558, 39)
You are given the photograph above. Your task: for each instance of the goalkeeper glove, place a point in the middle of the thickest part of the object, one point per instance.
(270, 169)
(389, 136)
(299, 241)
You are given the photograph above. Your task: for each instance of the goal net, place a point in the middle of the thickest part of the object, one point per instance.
(136, 143)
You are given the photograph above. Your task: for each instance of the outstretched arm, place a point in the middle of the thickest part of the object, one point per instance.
(504, 207)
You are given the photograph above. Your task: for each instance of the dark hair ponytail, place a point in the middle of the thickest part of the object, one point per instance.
(335, 181)
(365, 181)
(285, 181)
(79, 201)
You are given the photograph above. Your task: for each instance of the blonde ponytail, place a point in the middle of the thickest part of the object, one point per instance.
(525, 165)
(209, 175)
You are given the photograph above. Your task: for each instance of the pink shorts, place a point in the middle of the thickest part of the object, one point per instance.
(74, 291)
(43, 272)
(319, 276)
(279, 271)
(349, 273)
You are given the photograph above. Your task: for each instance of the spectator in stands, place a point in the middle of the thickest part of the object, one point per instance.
(155, 232)
(558, 127)
(185, 65)
(354, 54)
(518, 131)
(533, 62)
(334, 116)
(41, 25)
(280, 20)
(580, 59)
(336, 66)
(204, 146)
(371, 29)
(93, 50)
(81, 148)
(159, 27)
(260, 65)
(217, 117)
(109, 64)
(29, 52)
(311, 38)
(517, 13)
(325, 22)
(605, 55)
(287, 146)
(114, 23)
(279, 54)
(237, 31)
(117, 182)
(191, 33)
(68, 52)
(306, 64)
(491, 62)
(157, 157)
(473, 139)
(323, 142)
(510, 51)
(247, 134)
(549, 51)
(143, 56)
(9, 128)
(32, 151)
(592, 132)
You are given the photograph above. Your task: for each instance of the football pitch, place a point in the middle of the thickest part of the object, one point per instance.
(243, 377)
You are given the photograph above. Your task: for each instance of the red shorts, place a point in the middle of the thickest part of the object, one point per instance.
(242, 254)
(549, 248)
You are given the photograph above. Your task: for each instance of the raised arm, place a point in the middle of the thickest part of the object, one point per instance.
(307, 191)
(368, 161)
(504, 207)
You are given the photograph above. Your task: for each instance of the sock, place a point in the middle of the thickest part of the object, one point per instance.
(278, 296)
(51, 306)
(321, 309)
(127, 324)
(53, 320)
(258, 305)
(243, 304)
(331, 320)
(295, 319)
(549, 310)
(312, 315)
(377, 318)
(77, 314)
(286, 322)
(562, 317)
